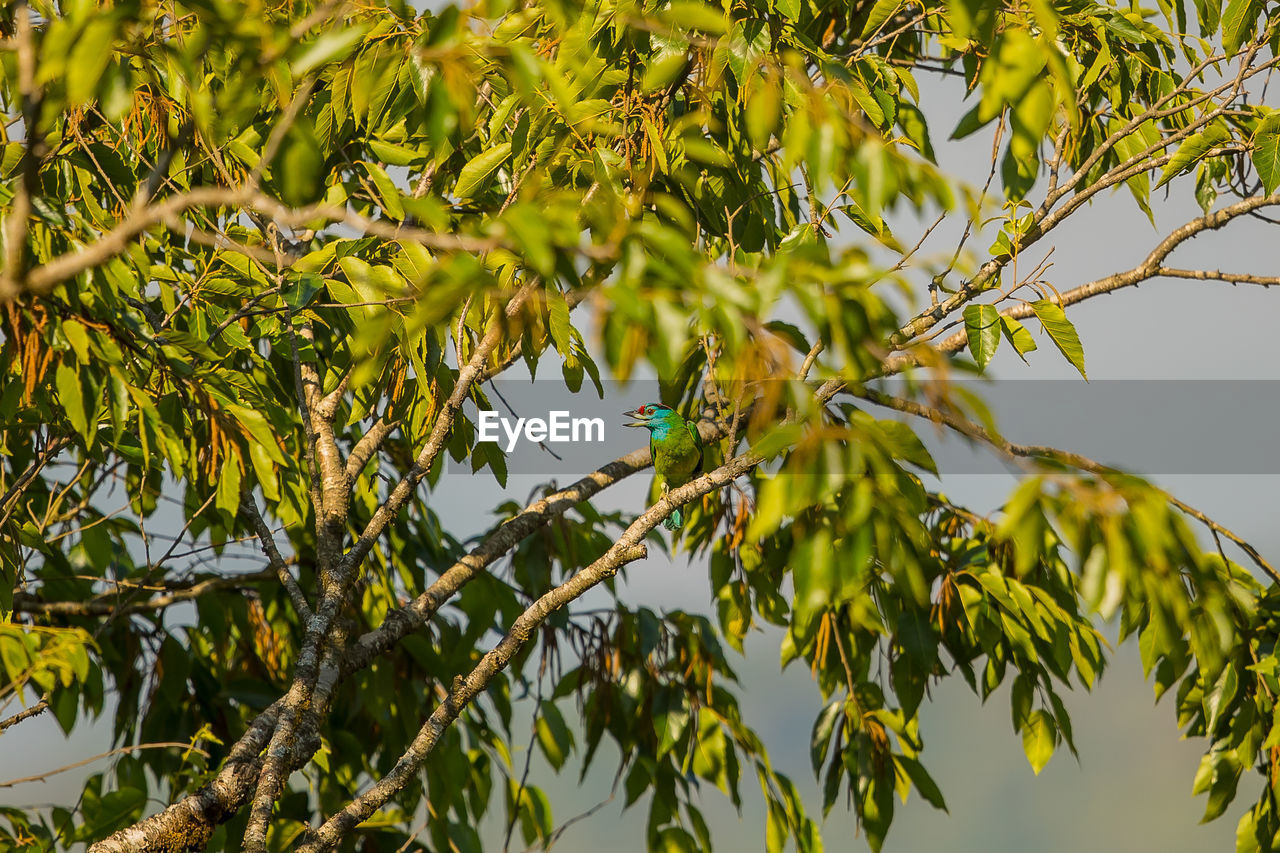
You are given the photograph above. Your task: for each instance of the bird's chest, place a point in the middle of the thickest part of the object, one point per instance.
(673, 460)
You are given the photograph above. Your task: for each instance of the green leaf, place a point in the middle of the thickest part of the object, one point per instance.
(299, 168)
(475, 175)
(228, 498)
(1020, 700)
(553, 735)
(78, 337)
(877, 811)
(1266, 151)
(671, 722)
(1017, 334)
(983, 325)
(1061, 331)
(71, 395)
(88, 60)
(916, 129)
(868, 103)
(1122, 26)
(1247, 833)
(1237, 23)
(1222, 792)
(922, 780)
(117, 807)
(880, 12)
(1038, 739)
(388, 193)
(673, 839)
(558, 320)
(763, 109)
(823, 727)
(693, 15)
(971, 122)
(657, 145)
(393, 154)
(1219, 699)
(815, 575)
(1192, 150)
(331, 46)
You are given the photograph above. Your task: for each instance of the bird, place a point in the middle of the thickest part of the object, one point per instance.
(676, 448)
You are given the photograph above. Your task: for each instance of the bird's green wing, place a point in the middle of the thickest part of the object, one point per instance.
(697, 442)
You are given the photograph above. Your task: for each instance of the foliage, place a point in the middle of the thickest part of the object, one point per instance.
(258, 255)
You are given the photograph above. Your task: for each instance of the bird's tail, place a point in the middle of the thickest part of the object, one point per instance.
(673, 521)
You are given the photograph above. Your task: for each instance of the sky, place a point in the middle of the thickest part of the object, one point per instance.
(1131, 788)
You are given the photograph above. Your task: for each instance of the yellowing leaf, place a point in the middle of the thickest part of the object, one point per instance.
(1061, 331)
(1038, 739)
(558, 320)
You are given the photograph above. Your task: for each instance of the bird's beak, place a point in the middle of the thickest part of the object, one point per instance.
(636, 423)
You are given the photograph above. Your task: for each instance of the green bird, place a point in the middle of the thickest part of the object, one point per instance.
(676, 448)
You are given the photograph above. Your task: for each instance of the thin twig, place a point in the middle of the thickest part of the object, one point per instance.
(26, 714)
(40, 777)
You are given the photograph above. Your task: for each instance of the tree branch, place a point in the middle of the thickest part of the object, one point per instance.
(40, 777)
(26, 714)
(337, 575)
(43, 278)
(103, 605)
(977, 432)
(16, 222)
(1151, 267)
(249, 506)
(628, 548)
(188, 823)
(472, 372)
(1046, 218)
(368, 445)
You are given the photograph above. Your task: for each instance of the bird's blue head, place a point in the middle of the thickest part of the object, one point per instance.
(655, 417)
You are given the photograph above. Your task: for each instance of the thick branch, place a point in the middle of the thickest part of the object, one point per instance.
(368, 445)
(16, 222)
(401, 622)
(337, 575)
(187, 824)
(627, 548)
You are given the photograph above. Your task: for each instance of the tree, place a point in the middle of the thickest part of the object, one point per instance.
(257, 259)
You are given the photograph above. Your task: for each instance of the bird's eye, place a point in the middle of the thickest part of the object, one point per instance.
(648, 410)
